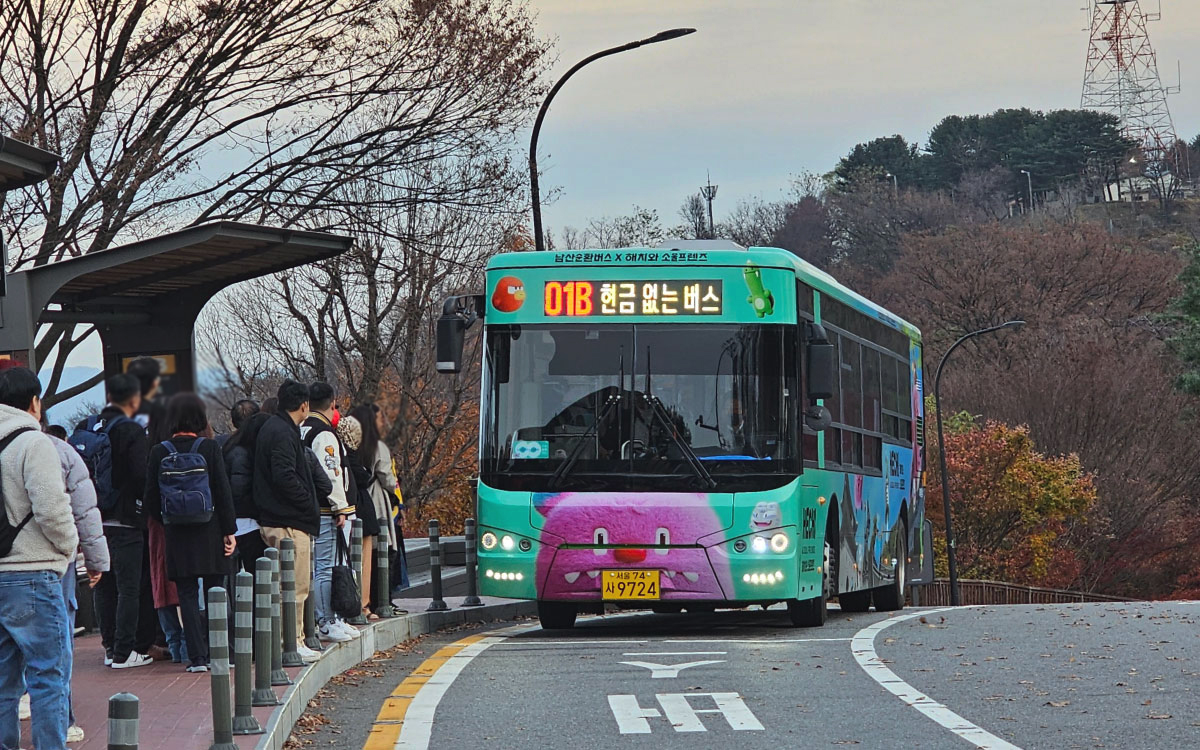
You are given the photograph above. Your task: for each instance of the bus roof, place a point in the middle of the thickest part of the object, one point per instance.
(767, 257)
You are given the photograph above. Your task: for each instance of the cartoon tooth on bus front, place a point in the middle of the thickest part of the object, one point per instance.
(760, 298)
(764, 516)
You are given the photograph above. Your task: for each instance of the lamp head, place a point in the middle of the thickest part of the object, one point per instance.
(663, 36)
(1016, 325)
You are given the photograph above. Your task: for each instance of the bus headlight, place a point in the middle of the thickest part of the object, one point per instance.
(759, 544)
(779, 543)
(489, 540)
(507, 542)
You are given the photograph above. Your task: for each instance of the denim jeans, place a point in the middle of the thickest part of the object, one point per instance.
(118, 595)
(34, 643)
(168, 620)
(69, 585)
(324, 548)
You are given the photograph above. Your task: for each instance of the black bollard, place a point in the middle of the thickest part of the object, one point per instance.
(438, 604)
(278, 676)
(356, 562)
(218, 669)
(243, 655)
(123, 722)
(472, 599)
(383, 577)
(263, 695)
(287, 581)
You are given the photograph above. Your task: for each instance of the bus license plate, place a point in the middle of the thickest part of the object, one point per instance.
(630, 584)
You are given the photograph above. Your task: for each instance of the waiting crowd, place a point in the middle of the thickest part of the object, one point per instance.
(162, 510)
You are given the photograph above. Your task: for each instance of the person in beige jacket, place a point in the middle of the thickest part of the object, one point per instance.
(39, 542)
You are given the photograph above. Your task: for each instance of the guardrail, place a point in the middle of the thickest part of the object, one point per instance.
(937, 594)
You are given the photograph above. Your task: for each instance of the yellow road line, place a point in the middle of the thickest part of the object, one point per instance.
(386, 729)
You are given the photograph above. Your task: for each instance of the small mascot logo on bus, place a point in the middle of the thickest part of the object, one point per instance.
(509, 294)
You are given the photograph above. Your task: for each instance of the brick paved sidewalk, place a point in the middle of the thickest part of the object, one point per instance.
(176, 711)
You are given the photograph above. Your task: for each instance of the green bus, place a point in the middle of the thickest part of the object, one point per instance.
(690, 428)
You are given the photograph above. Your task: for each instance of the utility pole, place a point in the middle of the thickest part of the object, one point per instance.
(709, 191)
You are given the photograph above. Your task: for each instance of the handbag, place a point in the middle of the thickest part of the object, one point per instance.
(344, 598)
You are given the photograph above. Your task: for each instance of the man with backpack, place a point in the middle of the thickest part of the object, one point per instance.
(115, 449)
(319, 435)
(37, 543)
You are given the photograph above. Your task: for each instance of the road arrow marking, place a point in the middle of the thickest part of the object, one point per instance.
(669, 671)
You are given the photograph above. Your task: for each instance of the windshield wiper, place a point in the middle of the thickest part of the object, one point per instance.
(664, 418)
(581, 442)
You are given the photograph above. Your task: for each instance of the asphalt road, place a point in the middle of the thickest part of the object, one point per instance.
(1062, 676)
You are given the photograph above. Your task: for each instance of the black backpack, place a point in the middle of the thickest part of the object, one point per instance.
(8, 532)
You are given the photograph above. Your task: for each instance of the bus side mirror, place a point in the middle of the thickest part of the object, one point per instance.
(458, 313)
(822, 367)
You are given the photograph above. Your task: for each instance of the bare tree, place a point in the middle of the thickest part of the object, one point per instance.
(694, 213)
(197, 110)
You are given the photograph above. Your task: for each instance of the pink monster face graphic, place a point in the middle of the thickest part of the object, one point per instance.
(611, 530)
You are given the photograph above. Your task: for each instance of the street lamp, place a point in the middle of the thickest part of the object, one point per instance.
(951, 558)
(1029, 179)
(661, 36)
(895, 183)
(709, 191)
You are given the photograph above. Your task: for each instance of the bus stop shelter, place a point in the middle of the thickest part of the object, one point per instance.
(144, 297)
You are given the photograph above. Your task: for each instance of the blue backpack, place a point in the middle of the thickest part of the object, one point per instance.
(183, 484)
(94, 446)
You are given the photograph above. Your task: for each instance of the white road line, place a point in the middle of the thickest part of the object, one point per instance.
(679, 653)
(863, 646)
(755, 640)
(573, 643)
(418, 721)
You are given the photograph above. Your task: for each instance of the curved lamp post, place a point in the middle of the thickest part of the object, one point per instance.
(661, 36)
(955, 599)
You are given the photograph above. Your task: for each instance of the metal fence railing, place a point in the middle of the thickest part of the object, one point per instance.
(937, 594)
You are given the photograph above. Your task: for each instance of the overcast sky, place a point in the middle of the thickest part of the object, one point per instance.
(768, 89)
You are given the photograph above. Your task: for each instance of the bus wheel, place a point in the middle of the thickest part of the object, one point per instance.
(891, 597)
(556, 615)
(811, 613)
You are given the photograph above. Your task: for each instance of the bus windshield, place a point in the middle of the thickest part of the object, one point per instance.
(643, 407)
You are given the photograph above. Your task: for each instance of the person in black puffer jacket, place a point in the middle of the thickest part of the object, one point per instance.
(238, 450)
(284, 492)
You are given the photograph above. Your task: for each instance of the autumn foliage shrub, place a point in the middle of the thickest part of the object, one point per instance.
(1014, 508)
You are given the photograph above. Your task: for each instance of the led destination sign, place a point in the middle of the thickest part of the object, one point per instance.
(581, 299)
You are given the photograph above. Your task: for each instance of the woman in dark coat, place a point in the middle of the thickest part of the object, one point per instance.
(197, 553)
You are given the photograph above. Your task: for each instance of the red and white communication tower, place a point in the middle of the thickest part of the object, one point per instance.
(1122, 77)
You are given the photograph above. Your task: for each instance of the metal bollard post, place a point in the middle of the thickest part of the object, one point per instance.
(263, 694)
(435, 569)
(287, 580)
(243, 647)
(472, 599)
(383, 578)
(123, 722)
(278, 676)
(311, 638)
(218, 669)
(356, 562)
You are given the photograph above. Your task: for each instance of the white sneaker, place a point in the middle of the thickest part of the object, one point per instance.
(330, 632)
(23, 708)
(349, 630)
(307, 655)
(75, 733)
(135, 660)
